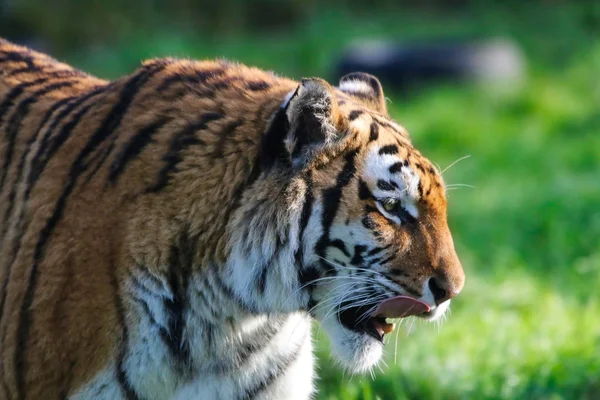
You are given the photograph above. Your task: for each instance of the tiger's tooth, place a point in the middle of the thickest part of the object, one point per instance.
(388, 328)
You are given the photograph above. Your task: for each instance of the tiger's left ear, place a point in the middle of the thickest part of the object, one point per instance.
(366, 89)
(315, 121)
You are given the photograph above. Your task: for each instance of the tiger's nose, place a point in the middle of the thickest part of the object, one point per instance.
(444, 289)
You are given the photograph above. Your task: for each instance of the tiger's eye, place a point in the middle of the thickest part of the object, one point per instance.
(390, 205)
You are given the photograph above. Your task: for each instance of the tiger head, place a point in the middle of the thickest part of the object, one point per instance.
(364, 222)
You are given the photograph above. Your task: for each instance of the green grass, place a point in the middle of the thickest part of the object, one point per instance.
(527, 323)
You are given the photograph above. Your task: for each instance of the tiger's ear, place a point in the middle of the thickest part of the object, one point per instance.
(366, 89)
(315, 121)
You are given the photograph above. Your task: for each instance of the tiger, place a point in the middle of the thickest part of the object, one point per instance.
(173, 234)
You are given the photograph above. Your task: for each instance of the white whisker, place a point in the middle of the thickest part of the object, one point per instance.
(396, 344)
(459, 185)
(451, 165)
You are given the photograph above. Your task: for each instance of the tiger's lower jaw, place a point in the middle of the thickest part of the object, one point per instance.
(356, 351)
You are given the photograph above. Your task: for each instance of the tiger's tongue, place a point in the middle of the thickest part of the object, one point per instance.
(400, 306)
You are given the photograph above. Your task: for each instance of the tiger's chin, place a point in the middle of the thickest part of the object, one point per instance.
(356, 351)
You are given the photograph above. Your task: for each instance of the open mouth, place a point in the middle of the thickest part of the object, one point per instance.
(374, 324)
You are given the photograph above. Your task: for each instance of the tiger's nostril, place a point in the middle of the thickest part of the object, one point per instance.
(439, 294)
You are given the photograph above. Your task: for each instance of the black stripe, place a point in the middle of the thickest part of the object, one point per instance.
(272, 146)
(371, 209)
(368, 222)
(387, 260)
(156, 281)
(242, 303)
(273, 374)
(389, 149)
(122, 378)
(396, 167)
(364, 193)
(225, 83)
(331, 202)
(374, 261)
(133, 148)
(357, 258)
(15, 92)
(18, 56)
(261, 278)
(14, 125)
(304, 217)
(355, 114)
(198, 78)
(395, 273)
(391, 127)
(377, 250)
(178, 144)
(62, 312)
(97, 160)
(53, 73)
(257, 86)
(181, 262)
(339, 244)
(108, 126)
(307, 275)
(374, 132)
(141, 288)
(33, 68)
(256, 341)
(389, 186)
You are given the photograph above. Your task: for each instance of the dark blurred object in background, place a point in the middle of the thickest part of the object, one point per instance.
(408, 66)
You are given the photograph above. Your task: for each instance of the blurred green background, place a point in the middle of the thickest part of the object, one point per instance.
(527, 325)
